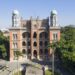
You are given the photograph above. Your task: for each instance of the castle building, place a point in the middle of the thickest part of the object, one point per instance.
(31, 37)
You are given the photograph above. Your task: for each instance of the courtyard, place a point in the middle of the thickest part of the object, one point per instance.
(33, 67)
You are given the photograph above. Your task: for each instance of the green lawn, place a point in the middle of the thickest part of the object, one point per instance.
(48, 72)
(20, 73)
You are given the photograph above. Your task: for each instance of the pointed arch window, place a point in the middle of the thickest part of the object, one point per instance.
(34, 35)
(35, 44)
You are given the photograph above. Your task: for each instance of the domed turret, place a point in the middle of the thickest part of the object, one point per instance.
(54, 12)
(16, 12)
(53, 18)
(15, 18)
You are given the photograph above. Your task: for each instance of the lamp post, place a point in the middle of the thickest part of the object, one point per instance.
(53, 62)
(53, 56)
(18, 53)
(53, 47)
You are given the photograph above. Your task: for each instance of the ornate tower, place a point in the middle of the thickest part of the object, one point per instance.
(15, 19)
(54, 29)
(53, 18)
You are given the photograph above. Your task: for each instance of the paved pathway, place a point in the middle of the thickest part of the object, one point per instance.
(9, 67)
(13, 65)
(33, 71)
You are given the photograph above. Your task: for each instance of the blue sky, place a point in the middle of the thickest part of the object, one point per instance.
(41, 8)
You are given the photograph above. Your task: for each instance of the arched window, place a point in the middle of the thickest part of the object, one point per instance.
(28, 43)
(40, 35)
(34, 35)
(28, 35)
(35, 44)
(41, 43)
(23, 43)
(23, 35)
(43, 34)
(46, 43)
(46, 35)
(23, 51)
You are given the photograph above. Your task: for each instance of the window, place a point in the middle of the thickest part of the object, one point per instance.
(23, 43)
(28, 35)
(23, 35)
(35, 44)
(23, 51)
(15, 45)
(41, 43)
(55, 36)
(28, 43)
(34, 35)
(46, 35)
(35, 26)
(46, 43)
(14, 36)
(41, 35)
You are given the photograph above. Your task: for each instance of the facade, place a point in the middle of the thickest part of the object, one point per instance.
(32, 36)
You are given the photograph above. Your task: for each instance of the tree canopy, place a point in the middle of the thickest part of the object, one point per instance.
(4, 46)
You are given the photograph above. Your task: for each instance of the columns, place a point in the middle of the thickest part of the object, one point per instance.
(38, 45)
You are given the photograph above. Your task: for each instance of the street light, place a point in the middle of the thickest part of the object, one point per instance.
(53, 62)
(53, 51)
(52, 46)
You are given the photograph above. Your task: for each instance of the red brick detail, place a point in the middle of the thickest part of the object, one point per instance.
(50, 36)
(11, 51)
(18, 34)
(58, 35)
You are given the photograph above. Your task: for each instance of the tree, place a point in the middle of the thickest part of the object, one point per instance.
(53, 46)
(18, 54)
(4, 44)
(67, 47)
(3, 50)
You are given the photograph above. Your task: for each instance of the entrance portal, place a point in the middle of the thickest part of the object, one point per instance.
(35, 53)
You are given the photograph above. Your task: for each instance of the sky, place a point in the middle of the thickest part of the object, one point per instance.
(34, 8)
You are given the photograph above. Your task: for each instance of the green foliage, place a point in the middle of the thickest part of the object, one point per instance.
(67, 46)
(47, 72)
(4, 46)
(17, 73)
(18, 53)
(3, 50)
